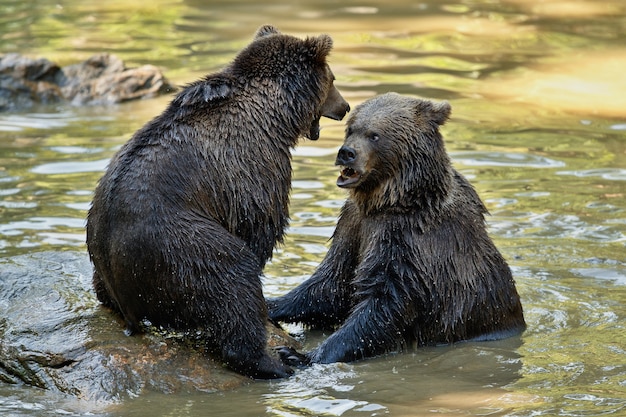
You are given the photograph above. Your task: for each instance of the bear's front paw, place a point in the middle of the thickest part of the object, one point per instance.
(292, 357)
(265, 367)
(278, 372)
(271, 370)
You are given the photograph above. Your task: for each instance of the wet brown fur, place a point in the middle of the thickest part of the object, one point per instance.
(191, 208)
(410, 260)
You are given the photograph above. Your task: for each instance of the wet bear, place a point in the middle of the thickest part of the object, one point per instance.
(190, 209)
(410, 260)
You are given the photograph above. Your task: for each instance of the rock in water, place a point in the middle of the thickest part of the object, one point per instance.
(101, 79)
(55, 335)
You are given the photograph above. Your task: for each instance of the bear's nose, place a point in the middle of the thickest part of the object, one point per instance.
(345, 156)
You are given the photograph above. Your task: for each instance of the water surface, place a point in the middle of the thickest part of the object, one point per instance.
(538, 125)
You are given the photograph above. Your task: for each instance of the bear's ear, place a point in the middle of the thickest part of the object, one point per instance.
(210, 89)
(266, 30)
(434, 112)
(319, 47)
(441, 112)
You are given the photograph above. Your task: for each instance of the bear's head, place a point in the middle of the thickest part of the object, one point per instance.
(284, 76)
(393, 154)
(300, 68)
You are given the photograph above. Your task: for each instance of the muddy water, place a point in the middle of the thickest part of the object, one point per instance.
(539, 126)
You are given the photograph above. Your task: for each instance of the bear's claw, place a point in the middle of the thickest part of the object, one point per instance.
(292, 357)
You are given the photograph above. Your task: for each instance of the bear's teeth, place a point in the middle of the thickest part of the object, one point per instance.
(348, 172)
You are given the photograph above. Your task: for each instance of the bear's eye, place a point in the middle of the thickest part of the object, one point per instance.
(349, 131)
(374, 137)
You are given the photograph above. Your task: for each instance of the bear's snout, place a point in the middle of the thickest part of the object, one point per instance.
(345, 156)
(335, 107)
(351, 173)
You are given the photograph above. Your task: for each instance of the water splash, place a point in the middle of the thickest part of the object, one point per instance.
(316, 391)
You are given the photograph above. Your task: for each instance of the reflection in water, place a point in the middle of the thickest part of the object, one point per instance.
(588, 85)
(538, 125)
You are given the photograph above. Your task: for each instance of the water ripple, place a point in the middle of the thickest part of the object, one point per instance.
(316, 391)
(17, 122)
(606, 173)
(71, 167)
(553, 226)
(618, 277)
(507, 159)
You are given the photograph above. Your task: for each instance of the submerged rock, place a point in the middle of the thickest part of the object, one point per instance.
(55, 335)
(101, 79)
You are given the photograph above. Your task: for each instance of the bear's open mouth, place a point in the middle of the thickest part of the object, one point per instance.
(348, 177)
(314, 130)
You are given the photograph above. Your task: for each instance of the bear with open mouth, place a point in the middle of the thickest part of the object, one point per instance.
(410, 260)
(192, 206)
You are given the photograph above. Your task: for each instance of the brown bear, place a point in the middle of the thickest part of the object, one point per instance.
(190, 209)
(410, 260)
